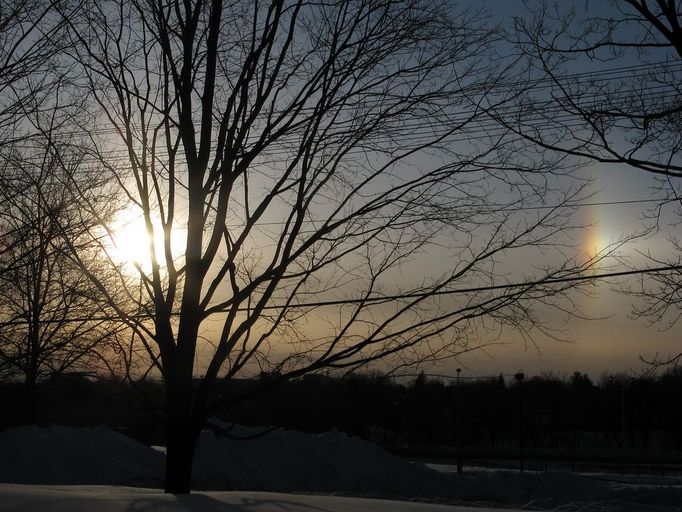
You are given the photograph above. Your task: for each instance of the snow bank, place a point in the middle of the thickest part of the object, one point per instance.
(293, 461)
(278, 461)
(287, 461)
(68, 455)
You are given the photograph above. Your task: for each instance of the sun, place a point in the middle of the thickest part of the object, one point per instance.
(131, 243)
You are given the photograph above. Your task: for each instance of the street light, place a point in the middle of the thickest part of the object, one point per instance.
(519, 376)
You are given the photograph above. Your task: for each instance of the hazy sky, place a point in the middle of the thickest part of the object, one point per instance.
(612, 341)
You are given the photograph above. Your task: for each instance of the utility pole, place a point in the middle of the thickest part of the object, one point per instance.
(519, 376)
(618, 384)
(458, 412)
(622, 414)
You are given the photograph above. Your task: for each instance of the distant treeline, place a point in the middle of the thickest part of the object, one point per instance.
(618, 412)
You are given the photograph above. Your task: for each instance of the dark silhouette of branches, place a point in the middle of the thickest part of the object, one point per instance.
(603, 117)
(48, 306)
(30, 38)
(284, 153)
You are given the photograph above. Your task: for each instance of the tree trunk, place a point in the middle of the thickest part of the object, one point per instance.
(181, 442)
(182, 433)
(30, 399)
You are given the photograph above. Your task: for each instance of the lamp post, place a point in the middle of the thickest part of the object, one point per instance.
(519, 376)
(458, 413)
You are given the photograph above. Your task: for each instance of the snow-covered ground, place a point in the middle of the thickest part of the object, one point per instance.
(78, 498)
(79, 467)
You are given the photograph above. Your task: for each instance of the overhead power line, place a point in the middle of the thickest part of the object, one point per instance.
(378, 300)
(543, 112)
(496, 208)
(505, 208)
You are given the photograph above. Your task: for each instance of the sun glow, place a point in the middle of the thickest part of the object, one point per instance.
(131, 243)
(595, 243)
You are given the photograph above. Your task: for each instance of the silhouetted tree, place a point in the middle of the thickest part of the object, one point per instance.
(50, 320)
(29, 35)
(303, 154)
(29, 40)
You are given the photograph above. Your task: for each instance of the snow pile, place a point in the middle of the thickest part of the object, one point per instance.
(278, 461)
(293, 461)
(288, 461)
(68, 455)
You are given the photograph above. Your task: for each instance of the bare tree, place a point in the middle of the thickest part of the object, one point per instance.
(29, 41)
(605, 87)
(317, 189)
(29, 72)
(627, 113)
(50, 320)
(40, 290)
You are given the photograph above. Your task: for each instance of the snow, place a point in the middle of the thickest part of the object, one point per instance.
(288, 462)
(293, 461)
(23, 498)
(68, 455)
